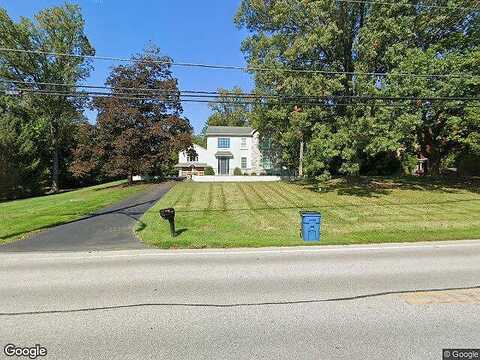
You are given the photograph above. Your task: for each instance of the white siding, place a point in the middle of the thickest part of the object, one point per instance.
(250, 151)
(235, 148)
(235, 178)
(182, 156)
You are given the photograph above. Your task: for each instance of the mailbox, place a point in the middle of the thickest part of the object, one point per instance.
(169, 214)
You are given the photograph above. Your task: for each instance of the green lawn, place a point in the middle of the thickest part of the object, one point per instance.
(267, 214)
(23, 216)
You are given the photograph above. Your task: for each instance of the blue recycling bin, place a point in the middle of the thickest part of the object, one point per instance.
(311, 223)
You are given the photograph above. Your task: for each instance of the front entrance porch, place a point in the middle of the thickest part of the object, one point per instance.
(223, 165)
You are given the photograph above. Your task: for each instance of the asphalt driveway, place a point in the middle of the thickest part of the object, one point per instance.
(107, 229)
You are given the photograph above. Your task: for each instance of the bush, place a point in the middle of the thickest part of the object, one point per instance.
(253, 174)
(469, 165)
(381, 164)
(237, 171)
(209, 171)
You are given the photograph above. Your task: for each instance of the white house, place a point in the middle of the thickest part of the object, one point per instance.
(228, 147)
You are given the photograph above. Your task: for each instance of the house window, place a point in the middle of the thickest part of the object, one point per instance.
(244, 162)
(266, 144)
(223, 143)
(192, 158)
(266, 163)
(244, 143)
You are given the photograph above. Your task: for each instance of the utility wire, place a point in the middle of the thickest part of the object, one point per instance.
(140, 91)
(234, 67)
(261, 101)
(456, 18)
(251, 102)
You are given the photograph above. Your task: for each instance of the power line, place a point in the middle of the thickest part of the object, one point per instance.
(455, 19)
(141, 91)
(250, 102)
(260, 101)
(426, 6)
(240, 68)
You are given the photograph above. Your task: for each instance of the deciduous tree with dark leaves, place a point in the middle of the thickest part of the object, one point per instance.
(140, 126)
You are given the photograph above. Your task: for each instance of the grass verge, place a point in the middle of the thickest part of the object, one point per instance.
(20, 217)
(267, 214)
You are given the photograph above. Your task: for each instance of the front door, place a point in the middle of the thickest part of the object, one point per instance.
(223, 165)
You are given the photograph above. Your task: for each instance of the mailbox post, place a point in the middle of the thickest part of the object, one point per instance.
(169, 214)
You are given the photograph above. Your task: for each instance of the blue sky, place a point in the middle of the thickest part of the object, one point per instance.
(188, 31)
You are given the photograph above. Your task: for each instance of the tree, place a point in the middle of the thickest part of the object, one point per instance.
(138, 134)
(86, 164)
(54, 30)
(229, 109)
(200, 139)
(426, 41)
(21, 143)
(340, 39)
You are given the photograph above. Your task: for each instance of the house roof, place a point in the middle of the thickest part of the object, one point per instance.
(223, 154)
(191, 164)
(229, 131)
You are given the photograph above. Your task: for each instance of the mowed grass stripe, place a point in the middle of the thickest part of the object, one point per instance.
(278, 198)
(216, 200)
(180, 195)
(235, 199)
(248, 201)
(255, 189)
(266, 214)
(291, 198)
(300, 193)
(209, 196)
(279, 203)
(223, 200)
(264, 221)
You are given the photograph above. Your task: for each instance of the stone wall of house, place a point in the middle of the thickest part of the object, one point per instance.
(256, 155)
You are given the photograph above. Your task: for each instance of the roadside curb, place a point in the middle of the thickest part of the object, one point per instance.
(460, 244)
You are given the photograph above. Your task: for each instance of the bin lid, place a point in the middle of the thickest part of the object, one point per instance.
(310, 213)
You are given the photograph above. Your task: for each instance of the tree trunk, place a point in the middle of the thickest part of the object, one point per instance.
(56, 171)
(130, 179)
(429, 149)
(434, 164)
(300, 160)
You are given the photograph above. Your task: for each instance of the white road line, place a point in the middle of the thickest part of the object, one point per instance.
(213, 252)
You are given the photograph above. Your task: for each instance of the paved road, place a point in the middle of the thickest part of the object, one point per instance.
(301, 303)
(107, 229)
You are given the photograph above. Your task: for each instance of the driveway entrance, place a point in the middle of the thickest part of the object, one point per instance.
(107, 229)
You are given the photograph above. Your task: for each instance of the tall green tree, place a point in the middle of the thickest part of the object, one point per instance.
(54, 30)
(230, 108)
(22, 139)
(343, 42)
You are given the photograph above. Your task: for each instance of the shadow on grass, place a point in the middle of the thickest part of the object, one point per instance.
(113, 186)
(180, 231)
(375, 187)
(335, 206)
